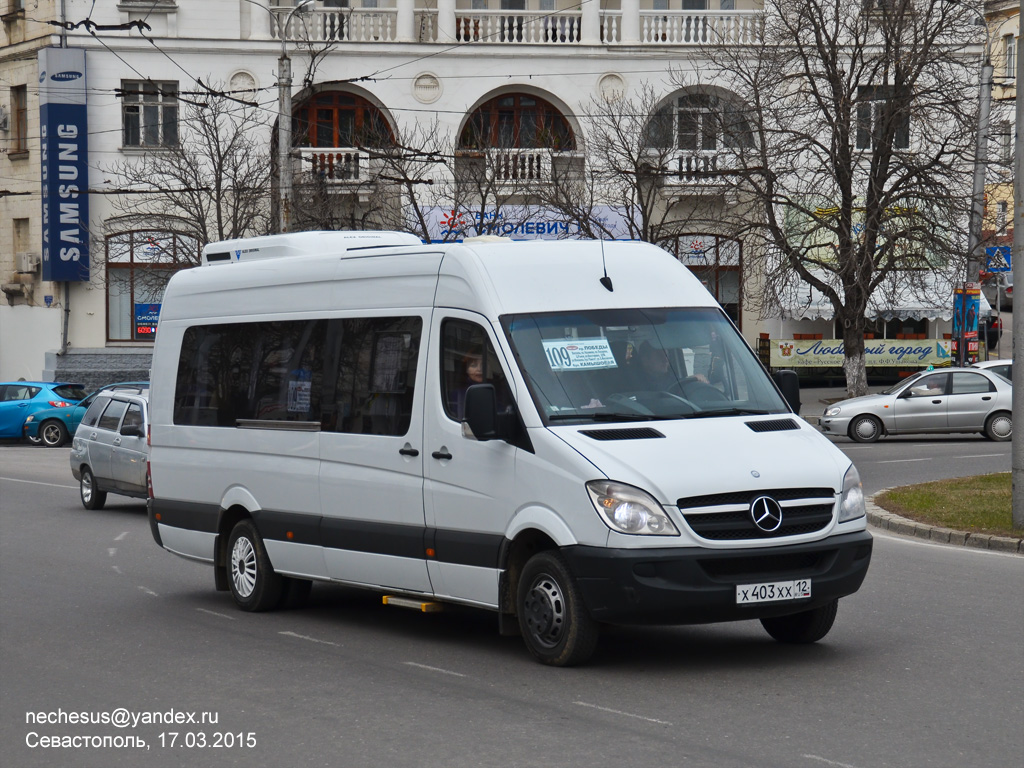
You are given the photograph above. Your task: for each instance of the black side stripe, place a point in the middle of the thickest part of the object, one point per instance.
(482, 550)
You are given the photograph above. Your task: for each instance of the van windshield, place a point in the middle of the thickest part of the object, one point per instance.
(638, 365)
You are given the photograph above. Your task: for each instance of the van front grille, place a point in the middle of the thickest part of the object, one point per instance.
(731, 526)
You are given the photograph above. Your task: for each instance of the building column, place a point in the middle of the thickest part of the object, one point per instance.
(446, 21)
(590, 32)
(406, 21)
(259, 21)
(630, 30)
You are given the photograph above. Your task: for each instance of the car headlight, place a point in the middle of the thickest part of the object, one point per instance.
(626, 509)
(833, 411)
(851, 506)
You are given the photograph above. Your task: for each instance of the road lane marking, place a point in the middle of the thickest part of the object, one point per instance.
(617, 712)
(899, 461)
(432, 669)
(149, 592)
(36, 482)
(310, 639)
(117, 570)
(120, 536)
(829, 762)
(214, 613)
(111, 551)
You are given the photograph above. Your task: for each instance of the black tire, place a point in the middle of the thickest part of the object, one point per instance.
(554, 623)
(91, 498)
(53, 433)
(865, 429)
(801, 628)
(295, 592)
(999, 427)
(252, 580)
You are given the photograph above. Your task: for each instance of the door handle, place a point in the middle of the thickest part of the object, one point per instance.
(936, 402)
(407, 451)
(117, 441)
(986, 397)
(443, 455)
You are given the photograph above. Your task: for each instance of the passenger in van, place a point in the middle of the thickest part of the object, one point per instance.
(472, 365)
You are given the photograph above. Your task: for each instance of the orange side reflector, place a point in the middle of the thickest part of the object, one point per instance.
(431, 552)
(290, 535)
(157, 515)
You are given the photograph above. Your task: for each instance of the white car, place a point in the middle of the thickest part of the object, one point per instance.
(947, 400)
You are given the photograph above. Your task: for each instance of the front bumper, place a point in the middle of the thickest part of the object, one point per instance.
(698, 586)
(834, 425)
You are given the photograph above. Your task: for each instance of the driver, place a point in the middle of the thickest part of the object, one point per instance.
(652, 369)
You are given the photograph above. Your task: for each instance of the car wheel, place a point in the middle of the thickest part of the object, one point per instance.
(999, 427)
(53, 433)
(91, 497)
(34, 440)
(552, 618)
(865, 429)
(805, 627)
(254, 585)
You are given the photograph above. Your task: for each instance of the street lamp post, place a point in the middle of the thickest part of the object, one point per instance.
(284, 123)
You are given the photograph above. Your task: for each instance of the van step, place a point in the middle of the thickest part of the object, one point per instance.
(408, 602)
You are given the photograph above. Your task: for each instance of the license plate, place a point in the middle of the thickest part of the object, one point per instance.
(771, 591)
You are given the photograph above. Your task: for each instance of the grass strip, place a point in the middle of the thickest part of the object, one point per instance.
(980, 504)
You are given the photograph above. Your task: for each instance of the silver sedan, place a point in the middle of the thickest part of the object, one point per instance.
(947, 400)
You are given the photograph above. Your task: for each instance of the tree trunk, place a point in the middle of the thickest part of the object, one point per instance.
(854, 364)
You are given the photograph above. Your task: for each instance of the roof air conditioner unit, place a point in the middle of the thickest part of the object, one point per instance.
(26, 263)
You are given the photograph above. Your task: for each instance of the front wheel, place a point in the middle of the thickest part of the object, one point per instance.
(53, 433)
(554, 623)
(865, 429)
(91, 498)
(800, 628)
(254, 585)
(999, 427)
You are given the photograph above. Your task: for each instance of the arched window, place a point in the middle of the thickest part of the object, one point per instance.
(338, 119)
(139, 264)
(700, 122)
(517, 121)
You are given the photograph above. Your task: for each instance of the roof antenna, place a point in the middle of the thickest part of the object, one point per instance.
(605, 281)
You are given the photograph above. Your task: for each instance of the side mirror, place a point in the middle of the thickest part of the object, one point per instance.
(132, 430)
(481, 412)
(789, 384)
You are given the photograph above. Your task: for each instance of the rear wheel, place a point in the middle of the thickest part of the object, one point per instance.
(53, 433)
(865, 429)
(91, 498)
(552, 618)
(806, 627)
(999, 427)
(254, 585)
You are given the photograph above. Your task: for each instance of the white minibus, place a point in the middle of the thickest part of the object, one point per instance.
(566, 433)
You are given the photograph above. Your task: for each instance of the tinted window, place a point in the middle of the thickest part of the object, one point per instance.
(133, 417)
(93, 414)
(968, 383)
(112, 415)
(69, 392)
(376, 359)
(268, 371)
(20, 392)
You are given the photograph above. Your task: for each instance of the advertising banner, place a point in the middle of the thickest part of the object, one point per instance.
(828, 353)
(146, 318)
(64, 155)
(517, 222)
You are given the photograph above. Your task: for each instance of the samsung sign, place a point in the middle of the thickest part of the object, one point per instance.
(64, 160)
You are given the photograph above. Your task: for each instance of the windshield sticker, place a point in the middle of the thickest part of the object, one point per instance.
(579, 354)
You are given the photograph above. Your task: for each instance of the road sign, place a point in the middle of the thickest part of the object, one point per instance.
(998, 259)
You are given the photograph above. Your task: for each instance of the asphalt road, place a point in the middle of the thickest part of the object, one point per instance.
(921, 669)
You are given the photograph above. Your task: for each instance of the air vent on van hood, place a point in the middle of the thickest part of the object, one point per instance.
(302, 244)
(775, 425)
(634, 433)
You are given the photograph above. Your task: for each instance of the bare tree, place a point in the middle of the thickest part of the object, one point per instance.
(213, 184)
(864, 117)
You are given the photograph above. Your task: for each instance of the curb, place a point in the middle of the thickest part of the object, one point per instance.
(901, 526)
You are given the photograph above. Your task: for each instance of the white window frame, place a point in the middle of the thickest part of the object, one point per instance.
(149, 112)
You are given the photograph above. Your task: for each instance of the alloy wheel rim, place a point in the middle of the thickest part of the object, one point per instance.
(86, 487)
(243, 567)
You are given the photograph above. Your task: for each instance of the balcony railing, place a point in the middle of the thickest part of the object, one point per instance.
(421, 25)
(520, 165)
(697, 168)
(336, 165)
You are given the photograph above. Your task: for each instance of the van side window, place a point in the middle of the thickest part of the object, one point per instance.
(267, 371)
(112, 415)
(375, 358)
(468, 358)
(93, 414)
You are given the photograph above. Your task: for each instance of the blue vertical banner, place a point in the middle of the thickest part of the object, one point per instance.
(64, 149)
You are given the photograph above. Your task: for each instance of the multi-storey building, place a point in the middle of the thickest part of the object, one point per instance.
(474, 108)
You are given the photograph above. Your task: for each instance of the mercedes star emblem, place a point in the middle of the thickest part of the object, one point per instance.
(766, 513)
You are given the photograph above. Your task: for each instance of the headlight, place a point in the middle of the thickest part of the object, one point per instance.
(833, 411)
(852, 504)
(629, 510)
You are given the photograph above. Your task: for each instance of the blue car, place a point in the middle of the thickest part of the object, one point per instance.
(53, 427)
(21, 399)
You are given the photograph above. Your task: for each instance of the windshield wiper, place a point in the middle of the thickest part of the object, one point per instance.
(730, 412)
(601, 417)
